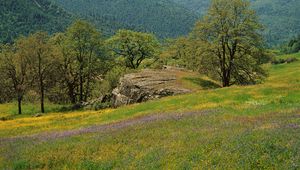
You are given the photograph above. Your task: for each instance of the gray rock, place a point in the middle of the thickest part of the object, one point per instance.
(146, 85)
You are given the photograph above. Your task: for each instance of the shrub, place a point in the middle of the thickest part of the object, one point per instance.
(282, 61)
(290, 60)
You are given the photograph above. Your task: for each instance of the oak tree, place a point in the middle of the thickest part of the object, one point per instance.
(134, 47)
(230, 42)
(14, 69)
(42, 63)
(83, 42)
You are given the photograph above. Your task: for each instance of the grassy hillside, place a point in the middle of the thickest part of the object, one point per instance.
(21, 17)
(251, 127)
(161, 17)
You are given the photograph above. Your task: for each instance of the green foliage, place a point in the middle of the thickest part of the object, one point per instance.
(110, 81)
(198, 6)
(22, 17)
(42, 63)
(63, 68)
(161, 17)
(284, 60)
(279, 17)
(133, 47)
(230, 46)
(80, 51)
(5, 92)
(164, 18)
(14, 66)
(293, 46)
(181, 52)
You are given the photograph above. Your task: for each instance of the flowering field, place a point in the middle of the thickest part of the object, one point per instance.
(251, 127)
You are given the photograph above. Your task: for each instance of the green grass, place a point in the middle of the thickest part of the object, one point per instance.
(201, 82)
(10, 110)
(251, 127)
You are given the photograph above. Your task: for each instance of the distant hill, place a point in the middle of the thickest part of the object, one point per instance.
(281, 18)
(197, 6)
(162, 17)
(21, 17)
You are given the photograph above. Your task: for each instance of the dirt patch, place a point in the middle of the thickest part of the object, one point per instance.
(106, 127)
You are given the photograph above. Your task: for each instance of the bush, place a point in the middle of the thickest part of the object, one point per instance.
(110, 81)
(31, 96)
(98, 105)
(282, 61)
(290, 60)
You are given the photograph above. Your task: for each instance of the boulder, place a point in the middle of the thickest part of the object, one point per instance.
(146, 85)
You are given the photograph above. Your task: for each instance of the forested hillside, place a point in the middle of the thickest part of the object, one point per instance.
(165, 18)
(197, 6)
(20, 17)
(162, 17)
(280, 17)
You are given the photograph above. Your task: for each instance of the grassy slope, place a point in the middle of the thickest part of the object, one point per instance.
(250, 127)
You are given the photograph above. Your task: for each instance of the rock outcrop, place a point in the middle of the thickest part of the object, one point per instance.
(146, 85)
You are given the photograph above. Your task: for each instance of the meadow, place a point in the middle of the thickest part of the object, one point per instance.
(240, 127)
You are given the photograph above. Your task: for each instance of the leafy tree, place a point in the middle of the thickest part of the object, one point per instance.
(80, 48)
(180, 52)
(42, 63)
(68, 79)
(5, 90)
(230, 42)
(134, 47)
(14, 68)
(293, 45)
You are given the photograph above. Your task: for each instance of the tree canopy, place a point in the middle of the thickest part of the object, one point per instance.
(230, 43)
(134, 47)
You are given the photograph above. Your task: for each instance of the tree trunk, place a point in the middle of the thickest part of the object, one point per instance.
(226, 80)
(81, 89)
(87, 93)
(41, 84)
(81, 83)
(42, 98)
(72, 96)
(20, 104)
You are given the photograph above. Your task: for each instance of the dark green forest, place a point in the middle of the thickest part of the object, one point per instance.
(164, 18)
(21, 17)
(280, 17)
(161, 17)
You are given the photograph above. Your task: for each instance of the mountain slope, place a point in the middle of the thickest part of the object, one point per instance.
(280, 17)
(21, 17)
(162, 17)
(165, 18)
(198, 6)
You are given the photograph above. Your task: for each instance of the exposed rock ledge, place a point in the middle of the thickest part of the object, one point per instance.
(146, 85)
